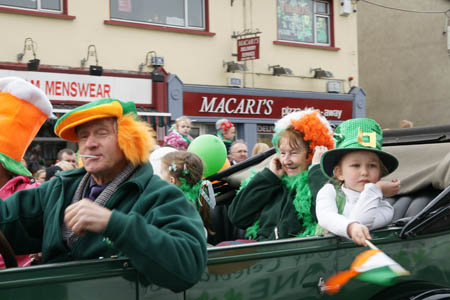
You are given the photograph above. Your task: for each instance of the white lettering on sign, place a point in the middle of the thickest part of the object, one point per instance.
(247, 54)
(72, 87)
(337, 113)
(245, 42)
(249, 48)
(234, 106)
(332, 113)
(76, 89)
(265, 128)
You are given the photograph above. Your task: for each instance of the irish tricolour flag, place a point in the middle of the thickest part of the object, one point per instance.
(371, 266)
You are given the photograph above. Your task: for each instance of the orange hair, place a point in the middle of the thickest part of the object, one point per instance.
(135, 139)
(314, 131)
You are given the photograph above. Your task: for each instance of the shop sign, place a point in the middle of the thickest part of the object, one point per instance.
(265, 128)
(261, 107)
(86, 88)
(248, 48)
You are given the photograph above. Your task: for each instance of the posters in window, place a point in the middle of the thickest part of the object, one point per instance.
(296, 20)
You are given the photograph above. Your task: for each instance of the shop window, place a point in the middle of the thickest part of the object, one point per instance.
(264, 133)
(306, 22)
(49, 6)
(187, 14)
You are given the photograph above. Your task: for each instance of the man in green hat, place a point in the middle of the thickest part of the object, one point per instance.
(352, 203)
(112, 206)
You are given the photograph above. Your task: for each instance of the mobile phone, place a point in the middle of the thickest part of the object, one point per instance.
(279, 166)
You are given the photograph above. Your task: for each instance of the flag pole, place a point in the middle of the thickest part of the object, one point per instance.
(371, 246)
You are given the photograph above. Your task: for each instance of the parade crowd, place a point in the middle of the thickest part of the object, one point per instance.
(121, 194)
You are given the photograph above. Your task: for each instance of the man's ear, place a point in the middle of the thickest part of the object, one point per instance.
(338, 173)
(172, 180)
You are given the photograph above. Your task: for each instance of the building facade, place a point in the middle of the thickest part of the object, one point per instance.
(291, 54)
(404, 60)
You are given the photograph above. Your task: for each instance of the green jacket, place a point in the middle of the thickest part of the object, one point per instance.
(267, 199)
(152, 224)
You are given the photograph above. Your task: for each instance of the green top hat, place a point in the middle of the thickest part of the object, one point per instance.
(353, 135)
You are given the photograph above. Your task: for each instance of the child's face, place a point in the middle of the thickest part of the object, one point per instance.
(358, 168)
(165, 175)
(293, 160)
(184, 127)
(229, 134)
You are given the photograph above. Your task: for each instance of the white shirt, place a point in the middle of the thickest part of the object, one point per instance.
(366, 208)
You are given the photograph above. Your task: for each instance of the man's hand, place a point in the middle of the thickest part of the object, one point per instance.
(389, 188)
(86, 215)
(318, 152)
(358, 233)
(276, 167)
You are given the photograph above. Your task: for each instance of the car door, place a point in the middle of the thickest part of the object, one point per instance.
(281, 269)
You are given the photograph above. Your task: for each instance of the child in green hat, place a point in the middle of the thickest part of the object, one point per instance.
(352, 203)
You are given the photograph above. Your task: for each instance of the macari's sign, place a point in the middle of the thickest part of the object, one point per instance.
(261, 107)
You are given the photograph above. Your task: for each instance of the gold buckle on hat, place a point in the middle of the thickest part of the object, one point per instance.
(372, 143)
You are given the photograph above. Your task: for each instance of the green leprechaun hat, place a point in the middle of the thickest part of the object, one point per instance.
(103, 108)
(353, 135)
(133, 135)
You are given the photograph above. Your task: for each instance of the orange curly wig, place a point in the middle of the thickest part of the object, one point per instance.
(135, 139)
(314, 131)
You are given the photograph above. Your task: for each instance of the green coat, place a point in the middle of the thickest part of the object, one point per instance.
(152, 224)
(267, 199)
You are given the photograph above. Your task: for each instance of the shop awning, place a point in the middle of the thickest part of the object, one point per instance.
(149, 115)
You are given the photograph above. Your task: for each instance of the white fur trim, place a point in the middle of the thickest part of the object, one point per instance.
(285, 122)
(156, 156)
(28, 92)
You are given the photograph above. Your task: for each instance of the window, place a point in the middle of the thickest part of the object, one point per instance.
(51, 6)
(188, 14)
(304, 21)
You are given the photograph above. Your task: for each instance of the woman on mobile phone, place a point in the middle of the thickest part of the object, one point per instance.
(278, 202)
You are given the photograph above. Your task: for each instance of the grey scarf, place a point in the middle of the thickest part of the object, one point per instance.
(68, 235)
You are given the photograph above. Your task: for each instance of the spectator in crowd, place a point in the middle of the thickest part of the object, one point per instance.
(179, 137)
(60, 166)
(39, 176)
(34, 159)
(405, 124)
(226, 132)
(68, 155)
(238, 152)
(259, 147)
(279, 201)
(113, 205)
(19, 101)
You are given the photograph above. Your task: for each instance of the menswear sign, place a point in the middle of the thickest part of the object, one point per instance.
(86, 88)
(261, 107)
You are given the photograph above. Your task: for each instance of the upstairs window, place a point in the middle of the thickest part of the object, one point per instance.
(188, 14)
(304, 21)
(48, 6)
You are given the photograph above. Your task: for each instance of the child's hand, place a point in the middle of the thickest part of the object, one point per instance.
(358, 233)
(389, 188)
(318, 152)
(276, 167)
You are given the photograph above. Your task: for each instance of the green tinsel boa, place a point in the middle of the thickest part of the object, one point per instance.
(192, 193)
(301, 202)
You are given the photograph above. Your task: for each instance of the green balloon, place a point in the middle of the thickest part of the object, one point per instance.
(211, 150)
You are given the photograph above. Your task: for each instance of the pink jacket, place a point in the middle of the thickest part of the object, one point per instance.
(16, 184)
(175, 140)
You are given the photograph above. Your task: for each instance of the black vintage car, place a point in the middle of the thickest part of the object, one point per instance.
(418, 239)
